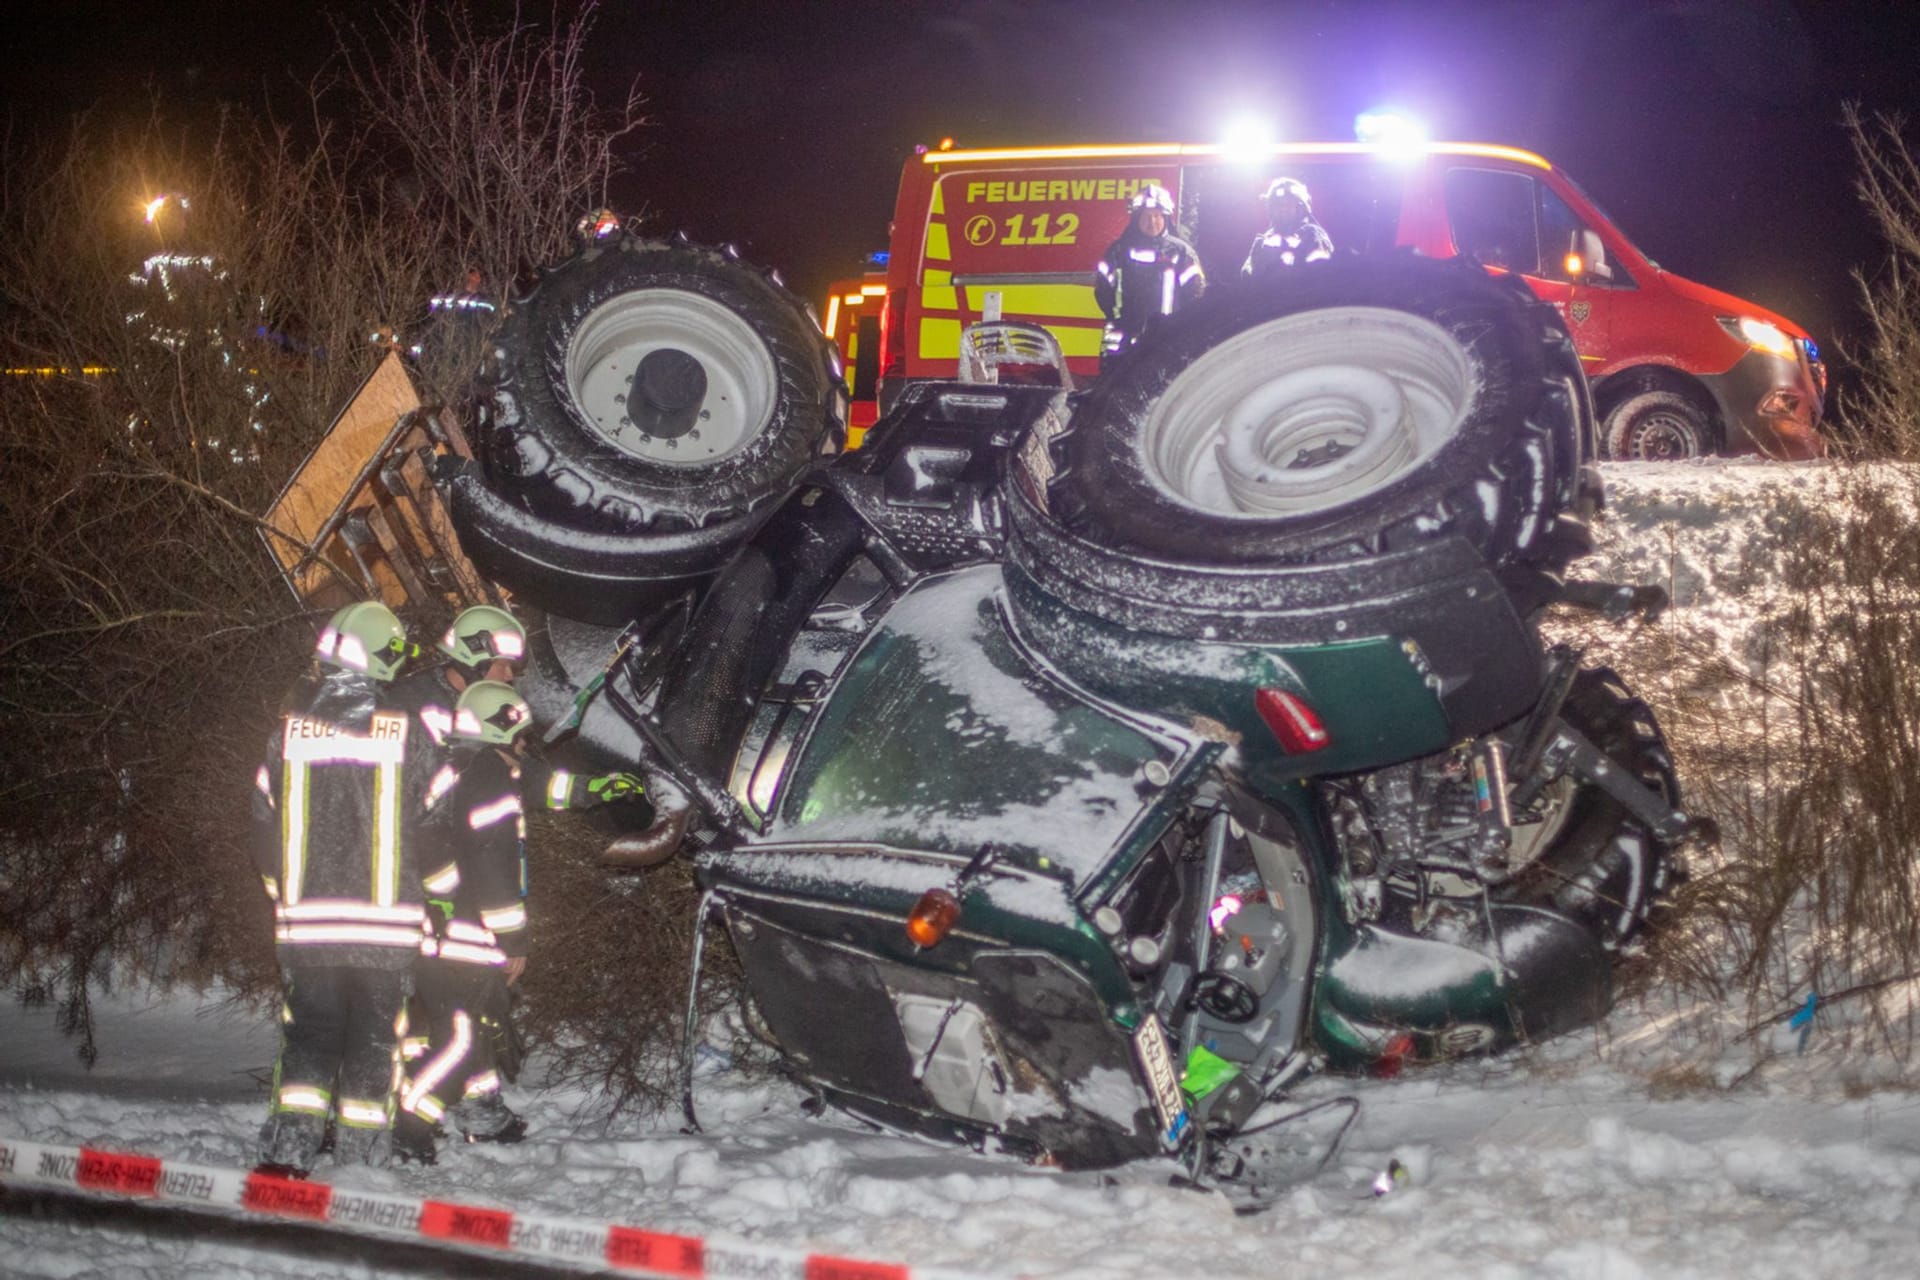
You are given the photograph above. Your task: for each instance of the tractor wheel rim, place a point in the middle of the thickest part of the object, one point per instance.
(1308, 412)
(723, 413)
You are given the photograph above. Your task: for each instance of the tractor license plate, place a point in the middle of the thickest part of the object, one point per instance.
(1156, 1062)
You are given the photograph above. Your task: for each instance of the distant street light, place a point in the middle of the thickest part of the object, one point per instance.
(153, 207)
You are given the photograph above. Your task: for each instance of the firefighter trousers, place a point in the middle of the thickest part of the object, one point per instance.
(339, 1063)
(458, 1072)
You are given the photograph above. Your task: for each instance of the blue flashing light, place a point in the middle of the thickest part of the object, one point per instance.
(1388, 128)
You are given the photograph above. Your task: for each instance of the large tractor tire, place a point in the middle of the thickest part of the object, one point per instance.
(1587, 857)
(650, 386)
(648, 404)
(1348, 408)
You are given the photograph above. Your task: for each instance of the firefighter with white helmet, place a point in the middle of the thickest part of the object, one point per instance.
(475, 860)
(463, 1012)
(484, 642)
(1148, 271)
(336, 819)
(1292, 236)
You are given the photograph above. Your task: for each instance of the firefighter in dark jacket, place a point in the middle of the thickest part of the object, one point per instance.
(475, 844)
(336, 819)
(1292, 236)
(485, 642)
(1147, 272)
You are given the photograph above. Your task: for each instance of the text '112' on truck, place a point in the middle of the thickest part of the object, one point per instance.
(1013, 234)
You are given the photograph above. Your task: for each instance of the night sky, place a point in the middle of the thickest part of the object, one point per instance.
(1709, 129)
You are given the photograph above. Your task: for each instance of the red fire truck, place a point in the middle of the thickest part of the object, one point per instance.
(852, 320)
(1678, 368)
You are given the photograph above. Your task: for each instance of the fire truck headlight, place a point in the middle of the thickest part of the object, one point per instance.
(1759, 334)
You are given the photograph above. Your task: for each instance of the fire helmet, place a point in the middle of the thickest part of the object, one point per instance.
(489, 711)
(1154, 197)
(483, 633)
(364, 637)
(1281, 188)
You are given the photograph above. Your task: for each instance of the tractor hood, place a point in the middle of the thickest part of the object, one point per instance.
(944, 734)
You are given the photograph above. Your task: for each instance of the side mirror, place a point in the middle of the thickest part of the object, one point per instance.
(1586, 256)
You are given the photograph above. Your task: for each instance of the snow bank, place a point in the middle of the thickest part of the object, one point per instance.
(1553, 1165)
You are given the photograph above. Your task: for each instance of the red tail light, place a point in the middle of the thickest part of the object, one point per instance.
(932, 918)
(1294, 724)
(1396, 1055)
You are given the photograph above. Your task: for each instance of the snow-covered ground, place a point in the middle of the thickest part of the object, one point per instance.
(1564, 1161)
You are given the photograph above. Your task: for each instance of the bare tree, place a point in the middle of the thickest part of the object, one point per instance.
(185, 308)
(500, 148)
(1887, 417)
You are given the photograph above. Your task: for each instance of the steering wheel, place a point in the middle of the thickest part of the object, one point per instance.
(1225, 996)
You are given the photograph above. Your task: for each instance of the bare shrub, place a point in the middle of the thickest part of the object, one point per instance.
(1852, 822)
(1886, 419)
(187, 364)
(604, 995)
(1803, 748)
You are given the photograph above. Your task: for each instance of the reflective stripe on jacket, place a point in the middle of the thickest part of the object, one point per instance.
(1145, 276)
(477, 862)
(337, 807)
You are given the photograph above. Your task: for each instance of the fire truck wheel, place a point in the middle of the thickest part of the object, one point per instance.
(1586, 856)
(647, 386)
(1351, 407)
(1659, 426)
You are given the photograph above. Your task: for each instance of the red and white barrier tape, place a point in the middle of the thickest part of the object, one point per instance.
(569, 1241)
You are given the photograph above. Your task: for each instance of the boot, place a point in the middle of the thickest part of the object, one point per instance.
(512, 1131)
(414, 1140)
(290, 1143)
(281, 1171)
(489, 1119)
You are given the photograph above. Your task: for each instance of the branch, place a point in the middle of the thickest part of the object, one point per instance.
(101, 628)
(1847, 993)
(312, 555)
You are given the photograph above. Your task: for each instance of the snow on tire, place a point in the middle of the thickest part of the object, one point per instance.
(1351, 407)
(652, 386)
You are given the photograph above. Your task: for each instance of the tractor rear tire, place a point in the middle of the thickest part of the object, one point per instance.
(644, 386)
(1349, 408)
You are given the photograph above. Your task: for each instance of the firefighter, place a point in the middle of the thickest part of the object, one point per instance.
(1292, 236)
(485, 642)
(598, 226)
(476, 879)
(455, 324)
(1149, 271)
(339, 800)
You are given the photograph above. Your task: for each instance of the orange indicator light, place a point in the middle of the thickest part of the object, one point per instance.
(932, 918)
